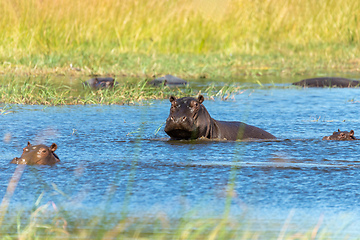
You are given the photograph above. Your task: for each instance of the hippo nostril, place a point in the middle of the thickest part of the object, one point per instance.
(183, 119)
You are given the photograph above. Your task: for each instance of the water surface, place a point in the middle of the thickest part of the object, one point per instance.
(114, 158)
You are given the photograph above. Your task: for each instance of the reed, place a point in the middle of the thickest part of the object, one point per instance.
(139, 36)
(49, 221)
(33, 91)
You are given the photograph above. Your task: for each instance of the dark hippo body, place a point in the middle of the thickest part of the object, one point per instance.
(341, 136)
(168, 80)
(189, 119)
(38, 155)
(328, 82)
(103, 82)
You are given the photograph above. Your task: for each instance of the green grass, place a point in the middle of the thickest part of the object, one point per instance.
(186, 38)
(49, 91)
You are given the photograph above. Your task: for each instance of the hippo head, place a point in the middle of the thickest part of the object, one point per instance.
(38, 154)
(341, 135)
(188, 118)
(106, 82)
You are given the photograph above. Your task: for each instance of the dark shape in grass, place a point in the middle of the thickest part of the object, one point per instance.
(38, 155)
(168, 80)
(341, 136)
(328, 82)
(101, 82)
(189, 119)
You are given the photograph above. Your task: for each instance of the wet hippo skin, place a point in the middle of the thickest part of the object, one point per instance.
(189, 119)
(100, 82)
(168, 80)
(38, 154)
(328, 82)
(341, 136)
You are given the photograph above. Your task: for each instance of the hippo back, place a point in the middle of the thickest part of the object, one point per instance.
(327, 82)
(239, 130)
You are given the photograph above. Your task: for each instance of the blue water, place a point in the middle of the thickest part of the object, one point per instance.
(114, 158)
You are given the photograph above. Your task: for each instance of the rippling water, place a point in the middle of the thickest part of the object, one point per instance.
(113, 156)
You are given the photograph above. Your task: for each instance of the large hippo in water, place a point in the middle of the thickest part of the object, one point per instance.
(38, 154)
(100, 82)
(341, 136)
(328, 82)
(189, 119)
(168, 80)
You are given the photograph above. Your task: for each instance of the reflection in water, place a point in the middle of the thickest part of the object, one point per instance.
(114, 161)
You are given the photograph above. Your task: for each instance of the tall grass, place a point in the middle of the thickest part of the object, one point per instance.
(51, 221)
(92, 33)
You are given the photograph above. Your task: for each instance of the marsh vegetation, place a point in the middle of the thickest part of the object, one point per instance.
(43, 42)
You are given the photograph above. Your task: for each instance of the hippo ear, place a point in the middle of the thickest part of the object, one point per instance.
(29, 144)
(53, 147)
(201, 98)
(339, 130)
(352, 133)
(172, 98)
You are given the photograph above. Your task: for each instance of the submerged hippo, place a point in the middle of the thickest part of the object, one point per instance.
(341, 136)
(38, 154)
(189, 119)
(328, 82)
(103, 82)
(168, 80)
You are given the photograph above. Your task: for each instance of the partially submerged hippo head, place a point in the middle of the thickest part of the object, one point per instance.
(38, 154)
(100, 82)
(184, 118)
(341, 136)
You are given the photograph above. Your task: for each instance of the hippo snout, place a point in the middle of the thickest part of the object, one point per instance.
(15, 160)
(178, 119)
(179, 127)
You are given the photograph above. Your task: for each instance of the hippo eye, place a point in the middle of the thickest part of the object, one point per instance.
(34, 147)
(194, 104)
(26, 149)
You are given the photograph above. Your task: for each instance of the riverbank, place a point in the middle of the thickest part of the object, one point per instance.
(315, 62)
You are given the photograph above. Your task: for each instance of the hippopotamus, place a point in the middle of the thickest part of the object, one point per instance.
(168, 80)
(38, 155)
(101, 82)
(189, 119)
(328, 82)
(341, 136)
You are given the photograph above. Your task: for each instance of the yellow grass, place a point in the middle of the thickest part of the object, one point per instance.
(94, 33)
(175, 26)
